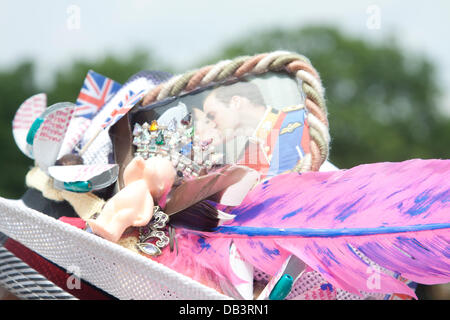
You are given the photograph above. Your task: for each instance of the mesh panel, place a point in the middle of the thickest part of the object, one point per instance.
(114, 269)
(118, 271)
(308, 281)
(259, 275)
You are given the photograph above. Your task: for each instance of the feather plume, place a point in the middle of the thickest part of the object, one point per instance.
(203, 261)
(188, 208)
(195, 190)
(201, 216)
(396, 214)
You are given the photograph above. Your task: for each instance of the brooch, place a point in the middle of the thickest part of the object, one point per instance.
(154, 230)
(177, 142)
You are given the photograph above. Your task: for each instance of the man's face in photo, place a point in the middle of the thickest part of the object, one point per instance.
(224, 116)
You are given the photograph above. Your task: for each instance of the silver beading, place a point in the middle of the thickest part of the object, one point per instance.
(154, 230)
(189, 155)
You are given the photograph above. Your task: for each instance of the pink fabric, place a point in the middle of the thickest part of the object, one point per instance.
(398, 215)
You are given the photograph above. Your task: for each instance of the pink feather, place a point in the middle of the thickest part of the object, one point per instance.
(204, 261)
(396, 214)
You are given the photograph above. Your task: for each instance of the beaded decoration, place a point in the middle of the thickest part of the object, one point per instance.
(190, 156)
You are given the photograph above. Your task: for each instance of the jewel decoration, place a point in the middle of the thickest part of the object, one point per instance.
(160, 139)
(172, 125)
(154, 126)
(178, 143)
(186, 120)
(155, 229)
(137, 129)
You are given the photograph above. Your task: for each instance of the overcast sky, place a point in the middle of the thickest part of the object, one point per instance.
(182, 32)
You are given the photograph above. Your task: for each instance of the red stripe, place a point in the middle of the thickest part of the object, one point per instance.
(106, 90)
(89, 99)
(275, 130)
(83, 108)
(261, 164)
(305, 138)
(53, 272)
(272, 139)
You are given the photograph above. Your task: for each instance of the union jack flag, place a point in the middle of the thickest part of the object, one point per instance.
(96, 91)
(124, 105)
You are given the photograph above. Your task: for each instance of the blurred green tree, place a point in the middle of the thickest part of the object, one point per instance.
(382, 100)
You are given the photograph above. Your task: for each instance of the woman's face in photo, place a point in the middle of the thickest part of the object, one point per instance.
(206, 129)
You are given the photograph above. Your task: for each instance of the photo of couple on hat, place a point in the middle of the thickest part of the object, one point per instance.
(260, 123)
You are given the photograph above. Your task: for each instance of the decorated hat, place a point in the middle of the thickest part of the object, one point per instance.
(216, 183)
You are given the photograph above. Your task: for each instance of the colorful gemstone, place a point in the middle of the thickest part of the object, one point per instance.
(186, 120)
(186, 150)
(137, 129)
(137, 141)
(145, 134)
(172, 125)
(190, 132)
(154, 126)
(149, 248)
(160, 139)
(78, 186)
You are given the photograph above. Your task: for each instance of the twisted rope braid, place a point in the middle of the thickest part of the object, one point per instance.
(277, 61)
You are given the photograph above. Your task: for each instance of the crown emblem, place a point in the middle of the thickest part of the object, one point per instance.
(190, 156)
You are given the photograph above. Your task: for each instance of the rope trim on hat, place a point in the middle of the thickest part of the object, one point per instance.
(278, 61)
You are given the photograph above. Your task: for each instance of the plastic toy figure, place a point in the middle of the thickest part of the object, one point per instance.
(146, 182)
